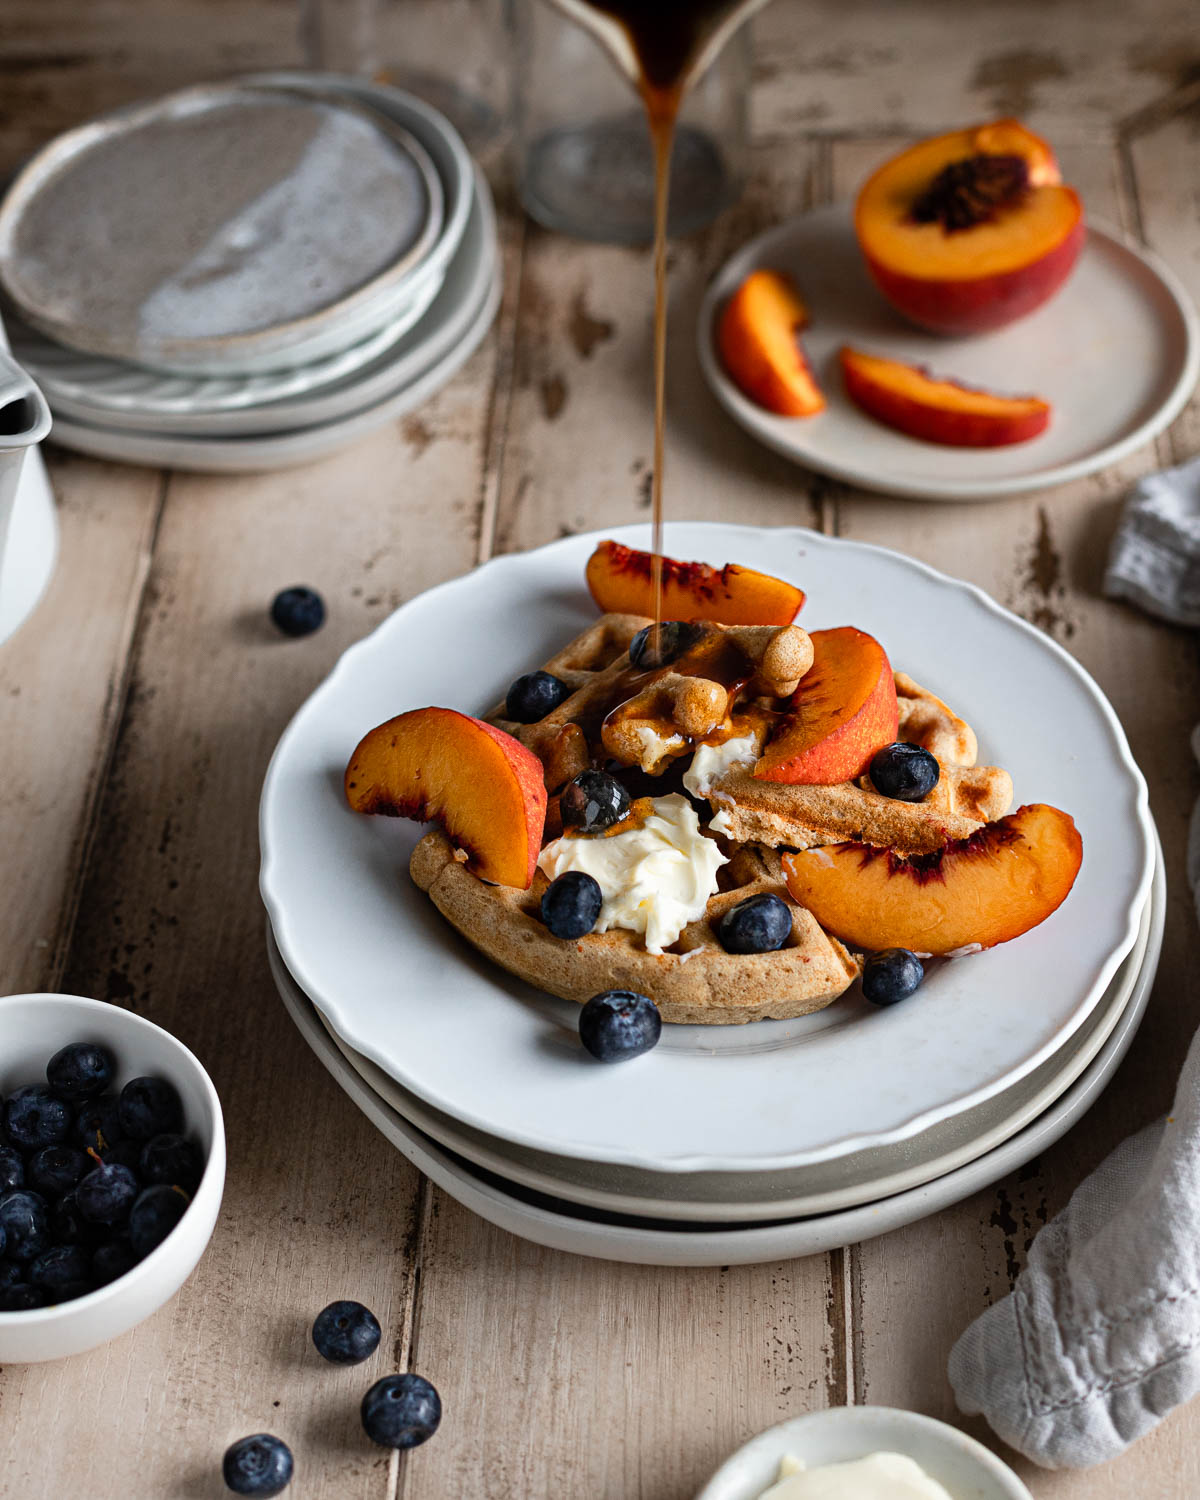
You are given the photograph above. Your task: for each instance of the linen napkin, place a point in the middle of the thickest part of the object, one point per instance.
(1100, 1337)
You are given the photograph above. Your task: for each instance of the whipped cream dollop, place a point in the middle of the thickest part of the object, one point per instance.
(655, 878)
(712, 761)
(880, 1476)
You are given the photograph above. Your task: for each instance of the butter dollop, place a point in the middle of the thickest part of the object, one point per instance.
(880, 1476)
(655, 878)
(712, 761)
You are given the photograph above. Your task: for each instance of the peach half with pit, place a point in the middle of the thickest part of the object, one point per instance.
(484, 787)
(758, 339)
(971, 230)
(621, 581)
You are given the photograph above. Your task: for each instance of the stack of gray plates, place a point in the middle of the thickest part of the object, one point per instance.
(247, 275)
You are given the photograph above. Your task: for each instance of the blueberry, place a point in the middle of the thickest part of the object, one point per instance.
(759, 924)
(673, 638)
(69, 1227)
(150, 1106)
(593, 801)
(297, 611)
(64, 1271)
(618, 1025)
(21, 1297)
(25, 1219)
(171, 1159)
(79, 1071)
(98, 1125)
(571, 904)
(258, 1465)
(10, 1273)
(112, 1259)
(891, 975)
(12, 1168)
(154, 1215)
(126, 1153)
(106, 1194)
(33, 1117)
(3, 1239)
(904, 772)
(534, 696)
(55, 1170)
(401, 1411)
(346, 1333)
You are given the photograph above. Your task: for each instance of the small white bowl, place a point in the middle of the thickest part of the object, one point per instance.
(965, 1468)
(32, 1029)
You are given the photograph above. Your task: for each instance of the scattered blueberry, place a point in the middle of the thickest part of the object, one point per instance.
(112, 1259)
(904, 772)
(571, 904)
(891, 975)
(12, 1168)
(401, 1411)
(534, 696)
(64, 1271)
(98, 1124)
(33, 1117)
(55, 1170)
(759, 924)
(346, 1333)
(297, 611)
(170, 1159)
(258, 1465)
(154, 1215)
(593, 801)
(106, 1194)
(618, 1025)
(150, 1106)
(674, 637)
(10, 1273)
(79, 1071)
(21, 1297)
(25, 1220)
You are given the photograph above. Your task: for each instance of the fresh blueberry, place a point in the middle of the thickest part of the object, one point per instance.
(126, 1153)
(571, 904)
(618, 1025)
(106, 1194)
(150, 1106)
(298, 611)
(650, 649)
(759, 924)
(112, 1259)
(12, 1168)
(401, 1411)
(79, 1071)
(534, 696)
(593, 801)
(3, 1239)
(10, 1273)
(171, 1159)
(891, 975)
(55, 1170)
(64, 1271)
(69, 1227)
(904, 772)
(258, 1465)
(346, 1333)
(25, 1219)
(33, 1117)
(153, 1216)
(21, 1297)
(98, 1125)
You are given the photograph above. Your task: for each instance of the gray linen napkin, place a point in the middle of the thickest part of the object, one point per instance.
(1100, 1337)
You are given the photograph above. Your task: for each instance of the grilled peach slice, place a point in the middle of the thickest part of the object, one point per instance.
(484, 787)
(758, 341)
(621, 581)
(843, 712)
(920, 405)
(981, 891)
(970, 230)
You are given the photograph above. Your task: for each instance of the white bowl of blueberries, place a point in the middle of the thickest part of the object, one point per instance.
(112, 1165)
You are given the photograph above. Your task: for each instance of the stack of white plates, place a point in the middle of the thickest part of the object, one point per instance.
(724, 1144)
(250, 275)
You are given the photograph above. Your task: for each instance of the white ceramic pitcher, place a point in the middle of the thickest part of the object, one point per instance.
(24, 422)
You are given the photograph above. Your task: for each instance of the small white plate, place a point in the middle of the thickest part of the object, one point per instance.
(840, 1434)
(1116, 352)
(400, 986)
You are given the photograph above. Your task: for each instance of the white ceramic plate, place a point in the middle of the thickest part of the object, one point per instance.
(823, 1187)
(562, 1226)
(1116, 353)
(400, 987)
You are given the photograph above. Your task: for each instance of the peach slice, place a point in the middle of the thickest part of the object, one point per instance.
(983, 890)
(843, 712)
(757, 339)
(484, 787)
(921, 405)
(970, 230)
(621, 581)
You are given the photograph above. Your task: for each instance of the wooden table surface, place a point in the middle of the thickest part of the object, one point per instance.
(139, 707)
